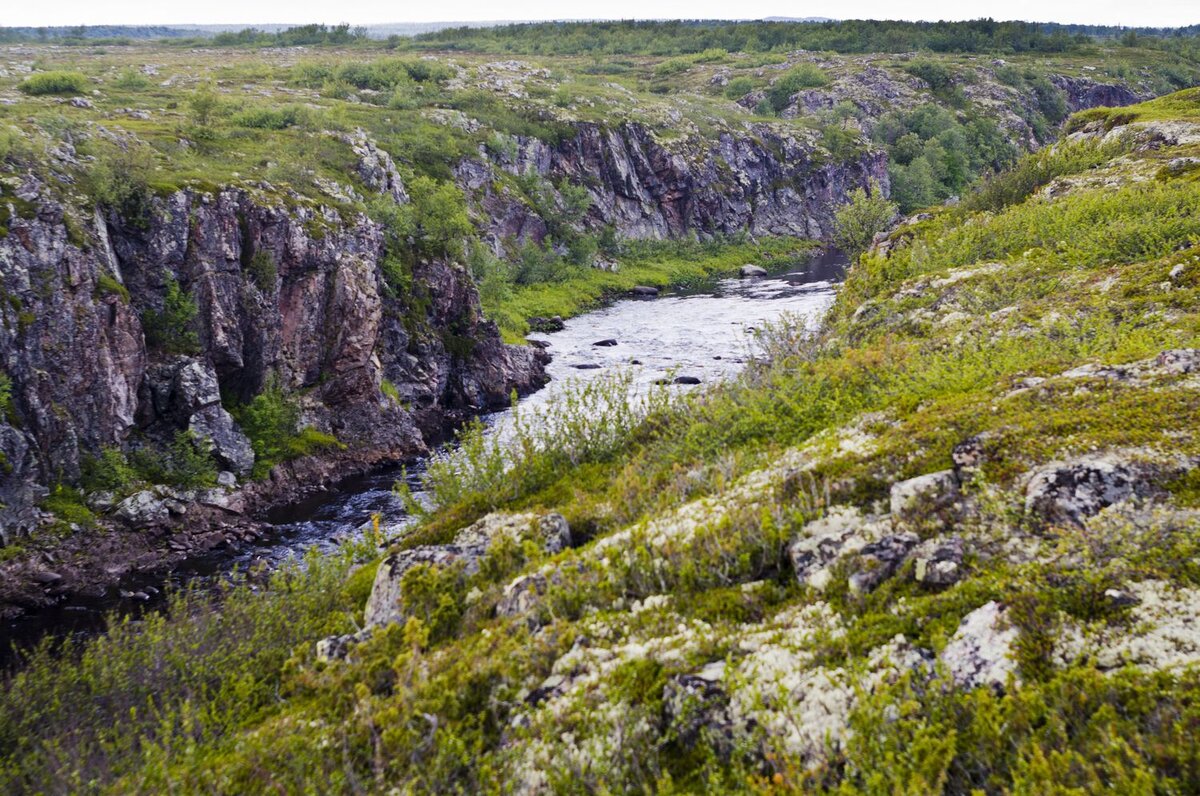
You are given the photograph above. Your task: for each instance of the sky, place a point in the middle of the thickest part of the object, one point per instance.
(365, 12)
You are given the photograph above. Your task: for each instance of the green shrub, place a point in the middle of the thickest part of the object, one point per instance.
(131, 80)
(803, 76)
(272, 422)
(119, 179)
(262, 271)
(739, 87)
(439, 217)
(56, 82)
(186, 462)
(938, 76)
(1038, 169)
(171, 329)
(203, 105)
(67, 504)
(858, 222)
(139, 693)
(109, 471)
(265, 118)
(107, 285)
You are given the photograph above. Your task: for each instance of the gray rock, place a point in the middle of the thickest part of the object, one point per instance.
(554, 532)
(540, 324)
(229, 445)
(1067, 493)
(696, 710)
(968, 456)
(980, 653)
(644, 291)
(751, 270)
(470, 545)
(938, 562)
(823, 542)
(878, 561)
(143, 509)
(924, 496)
(522, 596)
(383, 605)
(337, 648)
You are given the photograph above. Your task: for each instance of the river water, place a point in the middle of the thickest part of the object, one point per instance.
(704, 332)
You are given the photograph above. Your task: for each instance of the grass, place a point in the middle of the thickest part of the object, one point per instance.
(914, 358)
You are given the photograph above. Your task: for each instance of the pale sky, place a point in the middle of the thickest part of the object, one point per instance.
(363, 12)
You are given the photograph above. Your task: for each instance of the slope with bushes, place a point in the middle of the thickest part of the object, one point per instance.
(946, 544)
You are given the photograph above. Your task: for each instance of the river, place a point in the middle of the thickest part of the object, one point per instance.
(704, 332)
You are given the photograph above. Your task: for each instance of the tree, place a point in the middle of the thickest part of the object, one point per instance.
(866, 215)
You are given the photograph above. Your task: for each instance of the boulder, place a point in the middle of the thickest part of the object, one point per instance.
(643, 291)
(938, 562)
(980, 653)
(540, 324)
(143, 509)
(522, 595)
(230, 446)
(551, 532)
(823, 542)
(878, 561)
(924, 496)
(383, 606)
(751, 271)
(696, 710)
(1068, 492)
(606, 343)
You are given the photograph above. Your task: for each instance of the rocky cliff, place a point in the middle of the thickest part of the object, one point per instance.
(285, 293)
(764, 180)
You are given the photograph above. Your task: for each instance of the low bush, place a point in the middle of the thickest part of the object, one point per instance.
(56, 82)
(779, 95)
(272, 422)
(171, 329)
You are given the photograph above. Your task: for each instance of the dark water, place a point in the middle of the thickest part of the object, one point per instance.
(705, 332)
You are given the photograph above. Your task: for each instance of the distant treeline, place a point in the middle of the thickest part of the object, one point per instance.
(658, 38)
(682, 37)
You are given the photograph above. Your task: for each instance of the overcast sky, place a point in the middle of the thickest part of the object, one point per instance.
(363, 12)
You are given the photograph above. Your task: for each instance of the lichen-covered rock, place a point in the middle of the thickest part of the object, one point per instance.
(939, 562)
(522, 595)
(384, 604)
(980, 653)
(470, 545)
(878, 561)
(924, 497)
(143, 509)
(1068, 492)
(696, 710)
(822, 542)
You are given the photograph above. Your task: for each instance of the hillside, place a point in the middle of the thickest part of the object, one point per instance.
(945, 542)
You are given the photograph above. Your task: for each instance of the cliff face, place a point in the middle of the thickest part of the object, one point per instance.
(762, 181)
(295, 294)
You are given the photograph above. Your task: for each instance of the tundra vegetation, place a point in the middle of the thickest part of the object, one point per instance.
(852, 569)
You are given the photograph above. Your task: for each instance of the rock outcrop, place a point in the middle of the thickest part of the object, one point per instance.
(760, 180)
(282, 292)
